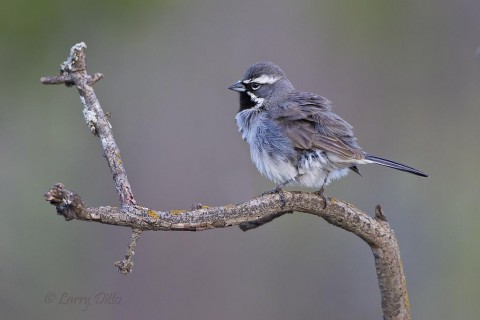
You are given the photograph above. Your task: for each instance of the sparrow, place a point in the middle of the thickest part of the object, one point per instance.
(294, 136)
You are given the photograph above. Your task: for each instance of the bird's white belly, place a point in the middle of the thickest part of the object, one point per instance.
(274, 168)
(317, 169)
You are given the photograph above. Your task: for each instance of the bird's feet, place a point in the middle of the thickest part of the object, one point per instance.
(320, 193)
(278, 189)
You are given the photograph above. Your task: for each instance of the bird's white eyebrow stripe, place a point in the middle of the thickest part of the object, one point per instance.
(263, 79)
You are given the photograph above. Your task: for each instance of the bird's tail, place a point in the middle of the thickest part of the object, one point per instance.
(394, 165)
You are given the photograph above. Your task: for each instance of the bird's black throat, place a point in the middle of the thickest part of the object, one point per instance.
(246, 102)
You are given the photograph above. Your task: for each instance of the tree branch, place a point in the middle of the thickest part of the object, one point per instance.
(376, 231)
(74, 72)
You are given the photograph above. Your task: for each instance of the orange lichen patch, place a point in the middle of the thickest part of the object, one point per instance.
(152, 214)
(177, 211)
(333, 199)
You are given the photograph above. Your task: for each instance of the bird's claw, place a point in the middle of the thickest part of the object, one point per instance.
(320, 193)
(278, 189)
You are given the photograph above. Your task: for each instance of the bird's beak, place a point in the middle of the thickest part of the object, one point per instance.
(237, 86)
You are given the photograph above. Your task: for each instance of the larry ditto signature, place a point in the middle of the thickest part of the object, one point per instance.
(101, 298)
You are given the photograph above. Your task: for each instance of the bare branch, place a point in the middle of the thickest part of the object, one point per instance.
(74, 71)
(126, 265)
(376, 231)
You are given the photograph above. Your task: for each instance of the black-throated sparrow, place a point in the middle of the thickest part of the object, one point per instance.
(294, 136)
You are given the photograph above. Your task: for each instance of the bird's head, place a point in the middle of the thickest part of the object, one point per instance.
(264, 82)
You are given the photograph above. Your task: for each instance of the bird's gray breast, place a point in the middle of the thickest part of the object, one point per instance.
(271, 150)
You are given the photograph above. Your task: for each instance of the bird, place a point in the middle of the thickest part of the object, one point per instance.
(295, 138)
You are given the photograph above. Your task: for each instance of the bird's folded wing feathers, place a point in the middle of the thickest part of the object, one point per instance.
(304, 136)
(310, 127)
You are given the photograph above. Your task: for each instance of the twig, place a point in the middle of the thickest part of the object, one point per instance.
(126, 265)
(374, 231)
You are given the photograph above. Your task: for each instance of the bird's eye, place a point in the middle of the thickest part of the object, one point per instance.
(255, 85)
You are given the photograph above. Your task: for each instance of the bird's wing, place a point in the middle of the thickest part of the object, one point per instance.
(310, 125)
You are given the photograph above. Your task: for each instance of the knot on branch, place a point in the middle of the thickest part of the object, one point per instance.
(68, 203)
(379, 216)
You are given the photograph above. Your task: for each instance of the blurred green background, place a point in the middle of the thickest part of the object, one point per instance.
(405, 74)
